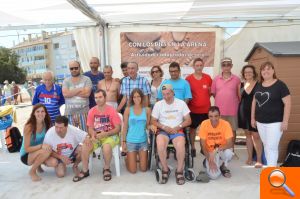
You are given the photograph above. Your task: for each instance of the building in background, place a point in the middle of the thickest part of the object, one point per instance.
(48, 52)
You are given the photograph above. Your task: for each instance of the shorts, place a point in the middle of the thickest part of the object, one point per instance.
(24, 159)
(78, 120)
(135, 147)
(233, 121)
(197, 119)
(171, 136)
(111, 140)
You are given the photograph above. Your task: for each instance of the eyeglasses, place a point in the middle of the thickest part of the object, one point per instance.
(74, 68)
(155, 71)
(173, 71)
(224, 65)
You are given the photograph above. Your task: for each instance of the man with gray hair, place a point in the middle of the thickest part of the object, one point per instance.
(132, 81)
(49, 94)
(111, 86)
(76, 90)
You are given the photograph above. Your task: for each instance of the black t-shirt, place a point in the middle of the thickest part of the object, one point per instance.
(269, 104)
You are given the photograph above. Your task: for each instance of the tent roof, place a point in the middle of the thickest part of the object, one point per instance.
(119, 12)
(278, 49)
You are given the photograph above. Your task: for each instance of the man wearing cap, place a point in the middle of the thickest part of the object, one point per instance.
(50, 95)
(171, 116)
(7, 91)
(180, 86)
(225, 90)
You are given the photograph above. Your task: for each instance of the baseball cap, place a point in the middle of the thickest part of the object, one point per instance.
(167, 87)
(226, 59)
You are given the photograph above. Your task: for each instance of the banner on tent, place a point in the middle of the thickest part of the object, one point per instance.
(162, 48)
(158, 48)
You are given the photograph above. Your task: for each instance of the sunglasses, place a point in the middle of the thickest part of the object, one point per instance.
(74, 68)
(155, 71)
(224, 65)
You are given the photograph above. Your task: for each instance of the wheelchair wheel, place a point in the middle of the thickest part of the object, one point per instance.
(158, 175)
(189, 175)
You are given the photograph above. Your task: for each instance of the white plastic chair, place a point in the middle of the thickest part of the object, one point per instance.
(115, 153)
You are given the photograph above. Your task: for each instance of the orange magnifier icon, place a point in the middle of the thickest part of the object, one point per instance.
(277, 179)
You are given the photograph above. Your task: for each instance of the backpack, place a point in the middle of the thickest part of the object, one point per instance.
(293, 154)
(13, 139)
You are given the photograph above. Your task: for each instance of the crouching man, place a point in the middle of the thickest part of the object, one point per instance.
(216, 144)
(66, 141)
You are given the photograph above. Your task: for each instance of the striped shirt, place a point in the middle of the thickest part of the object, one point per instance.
(129, 84)
(52, 99)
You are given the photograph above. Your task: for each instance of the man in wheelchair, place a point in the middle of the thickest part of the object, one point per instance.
(171, 116)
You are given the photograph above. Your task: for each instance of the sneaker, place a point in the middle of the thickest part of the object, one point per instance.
(202, 177)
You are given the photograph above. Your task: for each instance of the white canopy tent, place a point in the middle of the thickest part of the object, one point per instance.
(98, 16)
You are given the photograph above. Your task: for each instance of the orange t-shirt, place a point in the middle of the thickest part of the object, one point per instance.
(213, 136)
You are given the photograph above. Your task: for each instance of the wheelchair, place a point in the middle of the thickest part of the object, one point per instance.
(153, 158)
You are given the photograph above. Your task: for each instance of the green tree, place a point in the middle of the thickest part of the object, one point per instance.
(9, 69)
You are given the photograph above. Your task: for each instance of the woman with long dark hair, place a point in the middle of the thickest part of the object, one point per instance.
(33, 152)
(135, 142)
(246, 92)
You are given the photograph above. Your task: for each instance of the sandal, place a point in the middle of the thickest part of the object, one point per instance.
(165, 176)
(179, 177)
(107, 176)
(225, 171)
(84, 175)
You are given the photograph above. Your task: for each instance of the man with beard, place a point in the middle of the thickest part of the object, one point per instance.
(95, 76)
(76, 90)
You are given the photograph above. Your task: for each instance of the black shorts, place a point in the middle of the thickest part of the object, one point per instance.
(24, 159)
(197, 119)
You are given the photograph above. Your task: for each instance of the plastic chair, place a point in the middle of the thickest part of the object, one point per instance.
(115, 153)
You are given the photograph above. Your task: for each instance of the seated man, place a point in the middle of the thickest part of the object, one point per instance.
(104, 124)
(66, 141)
(171, 115)
(216, 144)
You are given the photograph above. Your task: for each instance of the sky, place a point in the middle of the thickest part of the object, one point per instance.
(9, 37)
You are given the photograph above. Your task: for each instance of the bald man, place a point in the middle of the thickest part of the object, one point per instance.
(76, 90)
(50, 95)
(95, 76)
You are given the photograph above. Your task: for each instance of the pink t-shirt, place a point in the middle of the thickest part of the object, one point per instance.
(226, 94)
(103, 121)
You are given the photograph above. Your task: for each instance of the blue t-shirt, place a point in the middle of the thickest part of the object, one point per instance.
(181, 89)
(52, 99)
(137, 127)
(95, 79)
(39, 139)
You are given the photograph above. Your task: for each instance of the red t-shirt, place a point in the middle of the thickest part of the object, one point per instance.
(200, 102)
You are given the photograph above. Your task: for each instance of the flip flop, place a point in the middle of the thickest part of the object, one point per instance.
(258, 165)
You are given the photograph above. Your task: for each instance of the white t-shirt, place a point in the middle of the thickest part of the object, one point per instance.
(170, 114)
(65, 146)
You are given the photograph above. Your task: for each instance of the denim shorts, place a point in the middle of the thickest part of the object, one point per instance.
(135, 147)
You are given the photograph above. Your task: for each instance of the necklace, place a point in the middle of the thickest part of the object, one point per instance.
(107, 88)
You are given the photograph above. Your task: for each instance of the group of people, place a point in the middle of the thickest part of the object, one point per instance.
(98, 105)
(10, 92)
